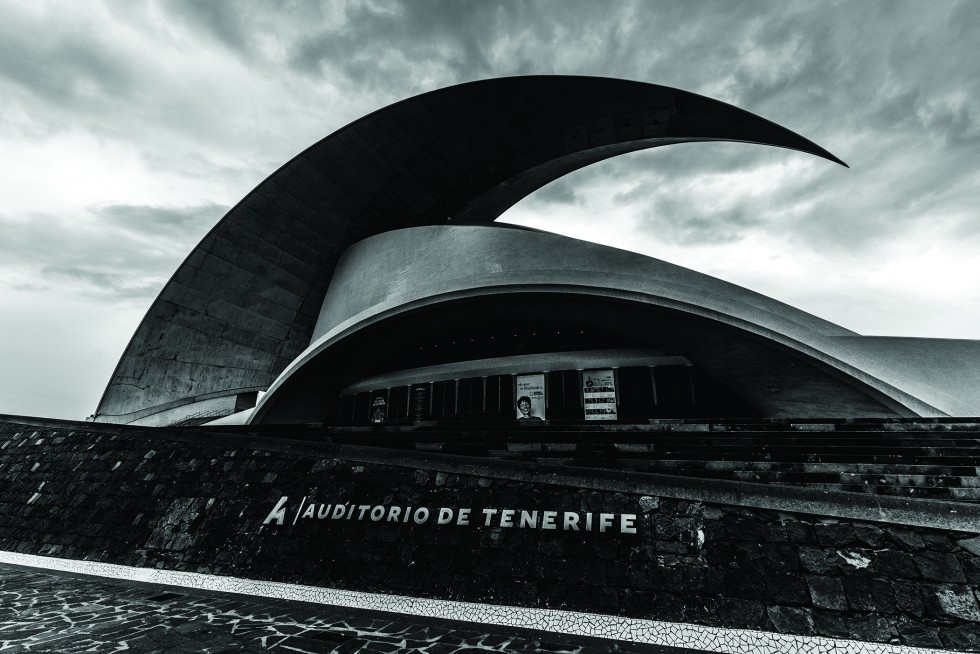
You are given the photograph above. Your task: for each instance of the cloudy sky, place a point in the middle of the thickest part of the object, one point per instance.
(128, 128)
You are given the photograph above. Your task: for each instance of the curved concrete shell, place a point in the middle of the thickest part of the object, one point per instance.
(245, 301)
(784, 361)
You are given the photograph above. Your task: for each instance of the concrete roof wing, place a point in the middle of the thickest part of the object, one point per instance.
(244, 302)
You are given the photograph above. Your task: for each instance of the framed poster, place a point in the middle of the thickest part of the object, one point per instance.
(599, 394)
(379, 409)
(418, 403)
(529, 404)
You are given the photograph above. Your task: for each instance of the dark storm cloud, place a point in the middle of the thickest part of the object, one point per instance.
(677, 222)
(388, 47)
(178, 222)
(103, 285)
(420, 32)
(228, 22)
(36, 240)
(395, 47)
(127, 76)
(69, 65)
(860, 83)
(851, 77)
(559, 192)
(127, 253)
(958, 123)
(866, 80)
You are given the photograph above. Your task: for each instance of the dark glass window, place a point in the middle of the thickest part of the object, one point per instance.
(507, 396)
(675, 397)
(345, 412)
(470, 400)
(556, 391)
(444, 398)
(491, 398)
(362, 402)
(499, 397)
(634, 394)
(399, 404)
(438, 398)
(564, 395)
(449, 407)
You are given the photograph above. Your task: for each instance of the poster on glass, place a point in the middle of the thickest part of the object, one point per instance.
(419, 402)
(530, 397)
(379, 409)
(599, 393)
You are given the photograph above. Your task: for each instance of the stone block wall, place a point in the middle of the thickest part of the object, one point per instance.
(164, 499)
(812, 575)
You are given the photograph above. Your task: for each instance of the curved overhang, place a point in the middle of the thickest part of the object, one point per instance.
(421, 269)
(244, 303)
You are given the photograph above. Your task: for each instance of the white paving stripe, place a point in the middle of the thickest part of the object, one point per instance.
(673, 634)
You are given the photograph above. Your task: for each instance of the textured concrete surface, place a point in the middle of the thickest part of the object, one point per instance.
(245, 301)
(56, 612)
(408, 265)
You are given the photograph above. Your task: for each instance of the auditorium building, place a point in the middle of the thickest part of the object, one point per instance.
(414, 410)
(366, 282)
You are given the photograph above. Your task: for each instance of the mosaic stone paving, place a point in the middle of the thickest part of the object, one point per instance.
(559, 625)
(44, 611)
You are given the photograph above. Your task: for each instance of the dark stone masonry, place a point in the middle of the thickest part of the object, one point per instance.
(174, 502)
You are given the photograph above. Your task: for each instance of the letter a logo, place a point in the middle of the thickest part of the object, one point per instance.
(279, 513)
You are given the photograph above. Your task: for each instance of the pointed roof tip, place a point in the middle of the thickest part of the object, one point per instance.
(802, 144)
(825, 154)
(805, 145)
(790, 140)
(700, 115)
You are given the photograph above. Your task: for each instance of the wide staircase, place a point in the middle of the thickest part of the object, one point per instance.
(935, 458)
(929, 458)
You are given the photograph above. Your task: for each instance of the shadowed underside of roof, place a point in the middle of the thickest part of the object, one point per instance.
(245, 301)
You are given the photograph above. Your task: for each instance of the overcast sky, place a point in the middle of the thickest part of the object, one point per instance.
(128, 128)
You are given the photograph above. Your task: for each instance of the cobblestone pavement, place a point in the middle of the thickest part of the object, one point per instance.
(42, 611)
